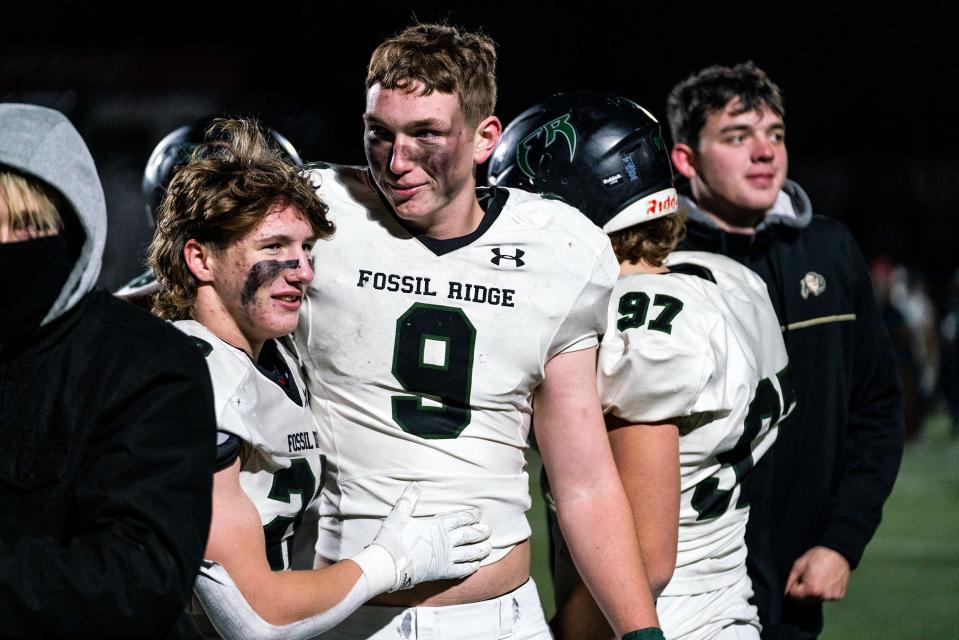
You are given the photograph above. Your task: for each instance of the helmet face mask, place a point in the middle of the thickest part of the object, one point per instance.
(176, 149)
(599, 152)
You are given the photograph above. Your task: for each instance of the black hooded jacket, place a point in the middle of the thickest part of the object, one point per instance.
(839, 452)
(107, 435)
(106, 463)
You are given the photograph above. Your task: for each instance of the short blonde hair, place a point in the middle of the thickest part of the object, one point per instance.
(31, 205)
(650, 241)
(233, 181)
(442, 58)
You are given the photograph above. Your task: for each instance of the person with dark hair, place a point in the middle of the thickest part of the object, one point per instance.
(106, 414)
(231, 254)
(692, 371)
(443, 316)
(839, 452)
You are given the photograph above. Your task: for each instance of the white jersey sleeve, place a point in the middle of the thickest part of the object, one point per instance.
(663, 355)
(586, 320)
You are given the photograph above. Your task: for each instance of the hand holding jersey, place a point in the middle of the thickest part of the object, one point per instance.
(436, 548)
(406, 551)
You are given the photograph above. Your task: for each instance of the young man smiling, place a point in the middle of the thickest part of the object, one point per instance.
(445, 313)
(432, 174)
(838, 454)
(232, 258)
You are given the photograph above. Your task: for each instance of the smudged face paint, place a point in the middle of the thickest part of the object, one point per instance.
(421, 154)
(261, 279)
(263, 273)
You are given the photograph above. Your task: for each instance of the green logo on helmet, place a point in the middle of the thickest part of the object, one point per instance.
(560, 125)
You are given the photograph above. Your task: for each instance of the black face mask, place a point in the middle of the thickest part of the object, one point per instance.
(32, 274)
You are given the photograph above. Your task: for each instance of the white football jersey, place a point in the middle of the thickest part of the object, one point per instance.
(422, 355)
(711, 355)
(281, 462)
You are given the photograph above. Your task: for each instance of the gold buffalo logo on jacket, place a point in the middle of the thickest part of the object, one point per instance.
(811, 283)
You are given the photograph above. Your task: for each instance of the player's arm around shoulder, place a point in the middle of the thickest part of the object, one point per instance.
(591, 504)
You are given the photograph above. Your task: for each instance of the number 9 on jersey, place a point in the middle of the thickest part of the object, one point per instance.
(433, 358)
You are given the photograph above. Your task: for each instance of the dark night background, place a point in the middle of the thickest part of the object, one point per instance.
(869, 91)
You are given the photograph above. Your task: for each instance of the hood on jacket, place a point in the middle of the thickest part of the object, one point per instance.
(42, 143)
(792, 209)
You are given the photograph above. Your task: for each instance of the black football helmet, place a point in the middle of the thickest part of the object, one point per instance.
(177, 147)
(599, 152)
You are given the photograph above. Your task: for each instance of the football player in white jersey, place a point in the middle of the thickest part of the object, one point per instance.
(443, 316)
(172, 152)
(692, 368)
(232, 258)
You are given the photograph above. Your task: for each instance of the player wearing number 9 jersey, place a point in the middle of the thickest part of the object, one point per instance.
(692, 368)
(231, 254)
(434, 348)
(441, 315)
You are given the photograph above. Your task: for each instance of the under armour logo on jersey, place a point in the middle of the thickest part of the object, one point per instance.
(811, 284)
(499, 255)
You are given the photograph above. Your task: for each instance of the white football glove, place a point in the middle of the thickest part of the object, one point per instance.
(436, 548)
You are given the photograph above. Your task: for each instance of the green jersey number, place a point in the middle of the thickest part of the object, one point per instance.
(635, 306)
(708, 499)
(433, 358)
(297, 479)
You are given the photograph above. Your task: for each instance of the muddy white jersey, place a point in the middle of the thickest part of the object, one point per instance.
(281, 463)
(701, 345)
(422, 355)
